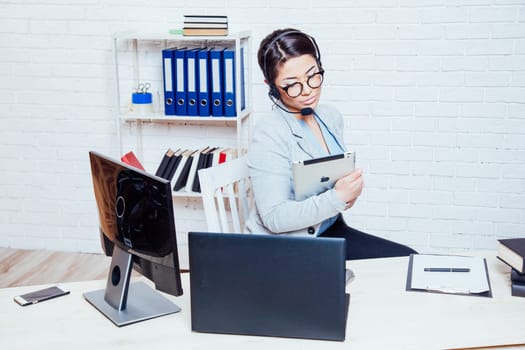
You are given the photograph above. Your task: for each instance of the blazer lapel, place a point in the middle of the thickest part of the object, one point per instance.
(298, 133)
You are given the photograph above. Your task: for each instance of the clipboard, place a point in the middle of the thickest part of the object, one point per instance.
(475, 282)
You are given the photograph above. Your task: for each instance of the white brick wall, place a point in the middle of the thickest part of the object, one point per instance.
(433, 93)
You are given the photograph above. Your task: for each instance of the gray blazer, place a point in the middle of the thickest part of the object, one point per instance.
(277, 142)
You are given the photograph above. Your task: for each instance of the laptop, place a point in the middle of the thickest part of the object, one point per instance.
(313, 176)
(266, 285)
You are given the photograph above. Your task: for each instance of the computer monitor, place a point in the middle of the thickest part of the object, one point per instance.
(137, 229)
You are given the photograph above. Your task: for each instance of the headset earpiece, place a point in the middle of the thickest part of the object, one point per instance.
(274, 92)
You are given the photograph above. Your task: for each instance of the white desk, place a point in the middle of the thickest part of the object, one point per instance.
(382, 315)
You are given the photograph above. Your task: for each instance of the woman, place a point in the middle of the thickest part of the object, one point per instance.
(298, 129)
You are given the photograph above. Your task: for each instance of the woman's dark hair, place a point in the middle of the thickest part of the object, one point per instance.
(281, 45)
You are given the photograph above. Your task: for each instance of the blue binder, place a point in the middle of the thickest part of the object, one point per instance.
(216, 82)
(181, 82)
(169, 79)
(192, 82)
(203, 67)
(243, 88)
(229, 82)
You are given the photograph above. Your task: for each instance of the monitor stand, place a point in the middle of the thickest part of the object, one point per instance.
(124, 303)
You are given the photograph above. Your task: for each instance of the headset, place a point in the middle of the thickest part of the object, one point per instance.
(274, 93)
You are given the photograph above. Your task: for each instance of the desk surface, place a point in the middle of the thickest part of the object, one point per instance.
(382, 315)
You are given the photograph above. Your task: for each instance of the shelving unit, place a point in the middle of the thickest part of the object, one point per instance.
(138, 59)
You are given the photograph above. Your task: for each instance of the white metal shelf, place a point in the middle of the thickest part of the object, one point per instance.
(156, 42)
(133, 35)
(159, 117)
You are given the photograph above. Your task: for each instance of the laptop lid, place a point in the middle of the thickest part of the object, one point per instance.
(268, 285)
(313, 176)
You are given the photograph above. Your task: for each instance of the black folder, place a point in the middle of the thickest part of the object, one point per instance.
(172, 165)
(204, 162)
(161, 170)
(183, 177)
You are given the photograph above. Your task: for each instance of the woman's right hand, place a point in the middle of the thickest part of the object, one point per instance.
(349, 187)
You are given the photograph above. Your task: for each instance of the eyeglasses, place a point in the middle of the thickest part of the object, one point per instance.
(314, 81)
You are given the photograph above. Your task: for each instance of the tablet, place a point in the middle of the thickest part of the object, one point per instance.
(314, 176)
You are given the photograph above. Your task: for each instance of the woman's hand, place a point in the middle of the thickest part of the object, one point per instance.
(349, 187)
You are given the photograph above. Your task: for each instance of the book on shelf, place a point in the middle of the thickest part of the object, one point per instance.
(227, 154)
(217, 19)
(182, 166)
(201, 159)
(205, 31)
(193, 169)
(131, 159)
(205, 161)
(182, 179)
(173, 164)
(164, 163)
(184, 155)
(512, 252)
(204, 25)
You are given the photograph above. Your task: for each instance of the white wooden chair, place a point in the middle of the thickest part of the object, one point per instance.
(227, 183)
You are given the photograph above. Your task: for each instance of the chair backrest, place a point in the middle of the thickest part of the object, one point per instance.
(226, 183)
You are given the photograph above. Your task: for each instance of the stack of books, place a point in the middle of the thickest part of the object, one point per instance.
(202, 25)
(182, 166)
(512, 252)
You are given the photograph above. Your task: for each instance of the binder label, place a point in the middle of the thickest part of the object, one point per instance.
(191, 77)
(167, 76)
(203, 76)
(180, 75)
(216, 82)
(228, 70)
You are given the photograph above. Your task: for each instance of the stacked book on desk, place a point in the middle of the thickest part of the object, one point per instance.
(182, 166)
(512, 252)
(202, 25)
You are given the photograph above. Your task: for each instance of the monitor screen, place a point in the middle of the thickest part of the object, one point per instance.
(137, 228)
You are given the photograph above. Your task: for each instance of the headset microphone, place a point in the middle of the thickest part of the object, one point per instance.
(304, 111)
(307, 111)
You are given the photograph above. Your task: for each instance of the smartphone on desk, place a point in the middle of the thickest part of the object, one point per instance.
(40, 295)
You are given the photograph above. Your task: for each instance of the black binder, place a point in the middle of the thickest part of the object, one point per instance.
(183, 177)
